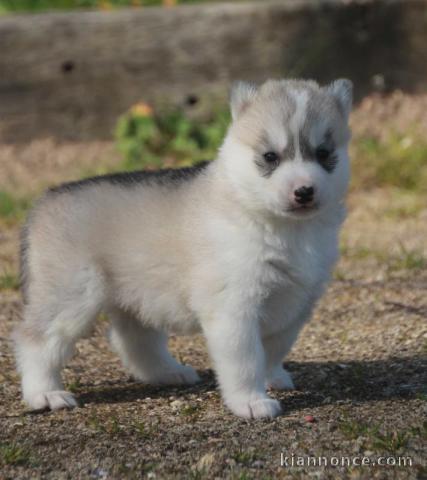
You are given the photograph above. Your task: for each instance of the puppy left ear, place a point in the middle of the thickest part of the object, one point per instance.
(342, 91)
(242, 94)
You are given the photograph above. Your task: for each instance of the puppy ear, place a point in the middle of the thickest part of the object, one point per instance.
(242, 94)
(342, 91)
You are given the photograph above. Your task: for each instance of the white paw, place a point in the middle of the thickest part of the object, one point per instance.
(263, 407)
(183, 375)
(53, 400)
(280, 379)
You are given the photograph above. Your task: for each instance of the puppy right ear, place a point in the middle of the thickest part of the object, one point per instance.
(342, 91)
(242, 94)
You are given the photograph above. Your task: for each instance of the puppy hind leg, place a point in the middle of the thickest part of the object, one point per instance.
(40, 358)
(45, 340)
(145, 354)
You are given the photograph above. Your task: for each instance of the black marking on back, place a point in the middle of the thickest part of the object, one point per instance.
(164, 177)
(23, 262)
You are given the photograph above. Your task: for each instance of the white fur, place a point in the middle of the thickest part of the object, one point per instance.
(297, 121)
(219, 254)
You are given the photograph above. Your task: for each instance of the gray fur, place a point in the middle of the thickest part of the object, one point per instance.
(331, 102)
(267, 169)
(342, 91)
(166, 177)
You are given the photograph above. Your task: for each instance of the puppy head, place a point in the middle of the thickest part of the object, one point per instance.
(286, 150)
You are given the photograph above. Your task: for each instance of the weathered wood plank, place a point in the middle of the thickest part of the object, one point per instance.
(71, 74)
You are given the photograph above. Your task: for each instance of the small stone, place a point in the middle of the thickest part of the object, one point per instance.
(176, 404)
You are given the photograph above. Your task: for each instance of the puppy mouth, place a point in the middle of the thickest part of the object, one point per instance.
(303, 209)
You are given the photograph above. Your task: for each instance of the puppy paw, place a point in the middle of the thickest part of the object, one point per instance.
(183, 375)
(263, 407)
(280, 379)
(54, 400)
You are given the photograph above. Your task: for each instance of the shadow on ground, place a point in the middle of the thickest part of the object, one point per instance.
(318, 383)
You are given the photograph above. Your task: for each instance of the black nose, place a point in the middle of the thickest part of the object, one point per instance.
(304, 194)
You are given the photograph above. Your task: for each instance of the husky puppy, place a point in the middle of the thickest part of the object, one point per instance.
(239, 248)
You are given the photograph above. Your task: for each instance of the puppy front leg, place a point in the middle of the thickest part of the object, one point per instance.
(236, 349)
(276, 348)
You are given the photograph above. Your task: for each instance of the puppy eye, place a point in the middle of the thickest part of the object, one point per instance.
(322, 154)
(271, 157)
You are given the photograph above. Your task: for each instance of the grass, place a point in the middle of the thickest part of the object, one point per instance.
(242, 457)
(74, 386)
(421, 431)
(11, 6)
(12, 208)
(390, 442)
(404, 205)
(190, 410)
(397, 162)
(408, 260)
(142, 429)
(403, 259)
(376, 440)
(14, 454)
(9, 281)
(110, 426)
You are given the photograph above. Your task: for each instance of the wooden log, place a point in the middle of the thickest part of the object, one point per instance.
(70, 75)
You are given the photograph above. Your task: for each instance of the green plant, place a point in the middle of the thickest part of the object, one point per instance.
(12, 208)
(420, 431)
(400, 161)
(374, 438)
(353, 429)
(190, 410)
(95, 424)
(243, 457)
(390, 442)
(41, 5)
(74, 386)
(142, 429)
(408, 259)
(404, 259)
(9, 281)
(405, 205)
(150, 139)
(13, 454)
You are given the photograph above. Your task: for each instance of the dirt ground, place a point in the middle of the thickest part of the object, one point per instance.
(359, 367)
